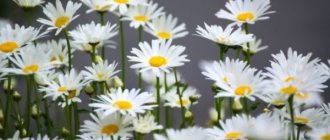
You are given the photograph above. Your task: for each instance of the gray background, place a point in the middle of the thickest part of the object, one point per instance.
(300, 24)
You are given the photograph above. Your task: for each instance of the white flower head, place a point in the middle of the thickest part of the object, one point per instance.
(192, 133)
(146, 124)
(311, 117)
(59, 18)
(158, 57)
(254, 46)
(97, 5)
(245, 11)
(320, 133)
(172, 98)
(166, 27)
(28, 3)
(101, 72)
(57, 52)
(123, 5)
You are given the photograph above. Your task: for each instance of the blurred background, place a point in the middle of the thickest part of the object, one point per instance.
(303, 25)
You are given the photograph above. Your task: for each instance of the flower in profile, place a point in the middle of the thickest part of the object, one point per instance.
(158, 57)
(228, 36)
(255, 46)
(101, 72)
(93, 35)
(141, 15)
(59, 18)
(192, 133)
(14, 38)
(245, 11)
(57, 52)
(28, 3)
(311, 117)
(29, 60)
(100, 6)
(146, 124)
(123, 5)
(102, 127)
(166, 27)
(172, 98)
(126, 101)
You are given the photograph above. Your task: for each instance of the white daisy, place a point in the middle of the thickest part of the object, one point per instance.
(13, 38)
(311, 117)
(101, 72)
(295, 74)
(111, 126)
(28, 3)
(29, 60)
(101, 6)
(93, 34)
(192, 133)
(57, 52)
(255, 46)
(172, 99)
(308, 99)
(140, 15)
(146, 124)
(123, 5)
(158, 57)
(129, 102)
(245, 11)
(228, 36)
(277, 100)
(165, 27)
(43, 78)
(59, 18)
(320, 133)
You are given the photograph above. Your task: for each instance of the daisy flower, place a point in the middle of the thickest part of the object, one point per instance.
(158, 57)
(228, 36)
(57, 52)
(311, 117)
(236, 79)
(320, 133)
(255, 46)
(59, 18)
(28, 3)
(101, 72)
(172, 99)
(100, 6)
(13, 38)
(29, 60)
(93, 35)
(141, 15)
(277, 100)
(192, 133)
(146, 124)
(308, 99)
(245, 11)
(295, 74)
(123, 5)
(166, 27)
(129, 102)
(111, 126)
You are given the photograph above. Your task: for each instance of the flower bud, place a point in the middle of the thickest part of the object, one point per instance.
(98, 59)
(215, 88)
(213, 114)
(35, 111)
(65, 132)
(188, 114)
(117, 82)
(193, 99)
(13, 84)
(23, 132)
(237, 105)
(1, 116)
(89, 90)
(17, 96)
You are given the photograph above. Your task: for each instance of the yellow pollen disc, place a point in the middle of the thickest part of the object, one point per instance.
(52, 59)
(102, 8)
(72, 94)
(100, 75)
(31, 68)
(62, 21)
(245, 16)
(184, 102)
(325, 137)
(124, 105)
(121, 1)
(289, 90)
(289, 79)
(243, 90)
(278, 102)
(157, 61)
(233, 135)
(141, 18)
(164, 35)
(62, 89)
(110, 129)
(8, 46)
(302, 96)
(301, 120)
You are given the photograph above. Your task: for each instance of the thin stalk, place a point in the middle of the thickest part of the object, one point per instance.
(139, 136)
(180, 98)
(48, 120)
(123, 52)
(68, 118)
(106, 86)
(158, 101)
(246, 106)
(102, 23)
(94, 54)
(9, 98)
(167, 109)
(222, 51)
(140, 40)
(66, 34)
(298, 132)
(231, 110)
(28, 104)
(101, 84)
(39, 127)
(291, 109)
(76, 118)
(19, 116)
(219, 107)
(248, 54)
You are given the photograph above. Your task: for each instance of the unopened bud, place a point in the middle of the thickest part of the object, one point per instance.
(117, 82)
(17, 96)
(1, 128)
(266, 110)
(215, 88)
(98, 59)
(24, 132)
(89, 90)
(13, 84)
(237, 105)
(35, 111)
(188, 114)
(65, 132)
(193, 99)
(213, 114)
(1, 116)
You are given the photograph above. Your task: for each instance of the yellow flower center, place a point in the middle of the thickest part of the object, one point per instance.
(233, 135)
(245, 16)
(72, 94)
(289, 90)
(278, 102)
(141, 18)
(289, 79)
(100, 75)
(62, 89)
(124, 105)
(8, 46)
(110, 129)
(164, 35)
(31, 68)
(302, 96)
(225, 79)
(325, 137)
(157, 61)
(301, 120)
(121, 1)
(243, 90)
(62, 21)
(184, 102)
(102, 8)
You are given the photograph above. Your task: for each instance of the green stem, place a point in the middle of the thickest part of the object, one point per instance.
(167, 109)
(94, 54)
(231, 110)
(246, 106)
(106, 86)
(102, 23)
(123, 52)
(28, 13)
(180, 98)
(140, 40)
(9, 98)
(219, 107)
(28, 104)
(68, 118)
(69, 47)
(39, 127)
(158, 101)
(298, 132)
(248, 54)
(222, 51)
(48, 120)
(291, 109)
(76, 118)
(238, 51)
(139, 136)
